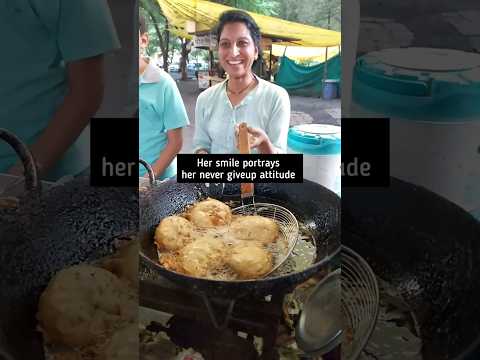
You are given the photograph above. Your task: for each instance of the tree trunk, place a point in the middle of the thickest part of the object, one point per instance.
(167, 43)
(183, 59)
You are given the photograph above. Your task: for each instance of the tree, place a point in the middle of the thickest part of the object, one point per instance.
(287, 11)
(321, 13)
(265, 7)
(161, 36)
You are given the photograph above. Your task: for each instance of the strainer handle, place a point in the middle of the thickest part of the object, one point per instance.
(32, 183)
(151, 174)
(333, 335)
(246, 189)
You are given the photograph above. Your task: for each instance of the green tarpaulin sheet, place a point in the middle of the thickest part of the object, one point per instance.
(306, 80)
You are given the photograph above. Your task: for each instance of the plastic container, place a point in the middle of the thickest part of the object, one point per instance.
(330, 89)
(432, 97)
(320, 145)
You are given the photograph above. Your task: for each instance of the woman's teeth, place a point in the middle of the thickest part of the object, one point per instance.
(234, 62)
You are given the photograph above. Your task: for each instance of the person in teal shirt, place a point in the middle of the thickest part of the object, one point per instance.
(51, 82)
(162, 115)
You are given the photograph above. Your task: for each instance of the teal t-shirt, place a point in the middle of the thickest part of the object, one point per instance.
(161, 109)
(39, 37)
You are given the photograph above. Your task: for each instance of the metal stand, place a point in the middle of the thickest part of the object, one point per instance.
(255, 317)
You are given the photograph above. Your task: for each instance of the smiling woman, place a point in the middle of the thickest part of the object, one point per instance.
(243, 97)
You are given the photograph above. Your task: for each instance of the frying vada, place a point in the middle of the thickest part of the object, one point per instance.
(173, 233)
(83, 303)
(249, 260)
(255, 228)
(203, 255)
(210, 213)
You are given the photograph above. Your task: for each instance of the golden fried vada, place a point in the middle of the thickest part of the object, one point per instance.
(210, 213)
(203, 255)
(173, 233)
(254, 228)
(83, 303)
(249, 260)
(170, 261)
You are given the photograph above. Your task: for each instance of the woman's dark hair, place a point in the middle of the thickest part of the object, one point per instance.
(233, 16)
(142, 24)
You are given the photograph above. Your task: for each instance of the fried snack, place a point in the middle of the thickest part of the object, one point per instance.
(124, 345)
(249, 260)
(203, 255)
(170, 261)
(173, 233)
(84, 303)
(210, 213)
(254, 228)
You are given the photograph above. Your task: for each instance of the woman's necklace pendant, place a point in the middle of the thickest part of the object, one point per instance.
(240, 91)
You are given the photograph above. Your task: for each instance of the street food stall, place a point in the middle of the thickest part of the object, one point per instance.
(195, 20)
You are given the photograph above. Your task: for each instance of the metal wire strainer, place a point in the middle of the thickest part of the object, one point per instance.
(342, 309)
(288, 226)
(360, 303)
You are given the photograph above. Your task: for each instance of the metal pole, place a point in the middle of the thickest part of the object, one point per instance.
(211, 67)
(270, 65)
(325, 65)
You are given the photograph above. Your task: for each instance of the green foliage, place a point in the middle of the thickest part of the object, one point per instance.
(160, 40)
(199, 55)
(155, 23)
(322, 13)
(265, 7)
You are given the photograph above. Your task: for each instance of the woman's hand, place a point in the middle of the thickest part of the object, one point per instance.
(201, 151)
(258, 139)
